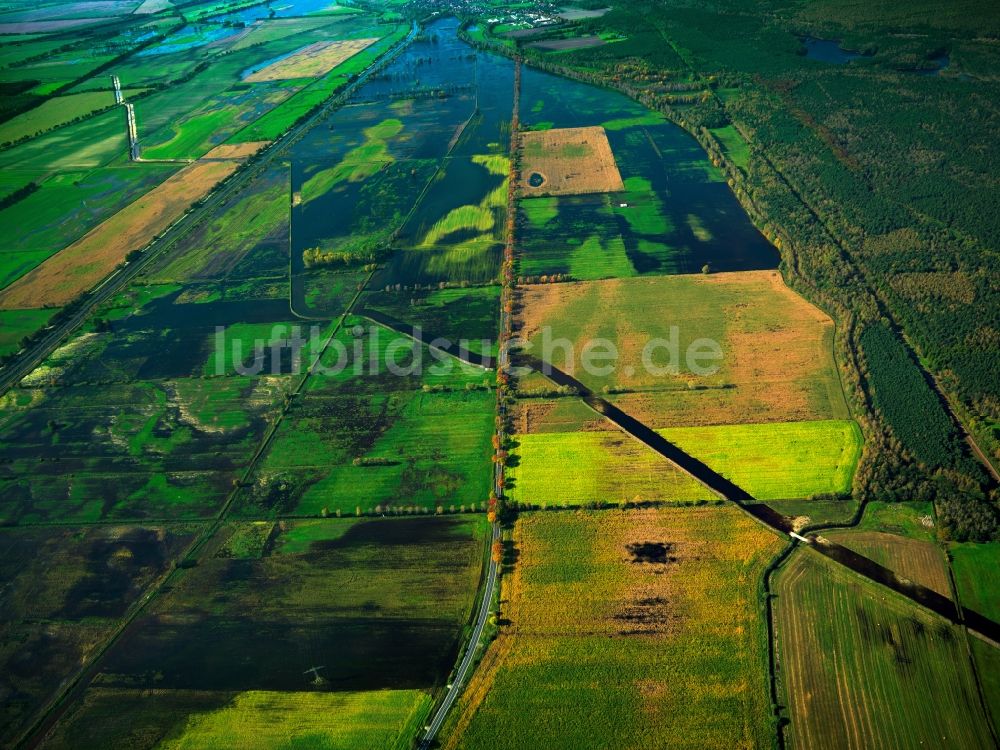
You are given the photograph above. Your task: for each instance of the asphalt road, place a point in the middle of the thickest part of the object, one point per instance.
(471, 651)
(161, 248)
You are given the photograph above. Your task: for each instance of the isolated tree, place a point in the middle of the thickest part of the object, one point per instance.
(497, 552)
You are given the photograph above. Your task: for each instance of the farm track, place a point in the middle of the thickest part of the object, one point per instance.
(922, 595)
(506, 327)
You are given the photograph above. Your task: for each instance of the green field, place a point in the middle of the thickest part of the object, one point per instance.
(252, 720)
(625, 629)
(383, 635)
(777, 461)
(735, 146)
(195, 136)
(401, 451)
(15, 324)
(913, 519)
(162, 449)
(66, 206)
(770, 461)
(975, 567)
(917, 560)
(54, 112)
(252, 223)
(863, 667)
(583, 468)
(455, 314)
(987, 658)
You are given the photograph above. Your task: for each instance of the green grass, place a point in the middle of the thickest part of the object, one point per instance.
(252, 720)
(864, 667)
(623, 123)
(579, 468)
(260, 720)
(16, 324)
(193, 136)
(251, 341)
(256, 214)
(735, 147)
(358, 164)
(904, 519)
(53, 113)
(358, 361)
(159, 449)
(86, 145)
(975, 567)
(644, 213)
(818, 511)
(779, 460)
(476, 223)
(987, 658)
(604, 651)
(539, 211)
(68, 204)
(414, 450)
(328, 599)
(455, 314)
(770, 461)
(464, 218)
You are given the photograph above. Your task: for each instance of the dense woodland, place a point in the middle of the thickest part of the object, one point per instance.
(877, 180)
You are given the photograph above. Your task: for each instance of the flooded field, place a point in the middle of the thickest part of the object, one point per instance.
(182, 402)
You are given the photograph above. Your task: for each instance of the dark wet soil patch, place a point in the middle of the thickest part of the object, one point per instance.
(655, 553)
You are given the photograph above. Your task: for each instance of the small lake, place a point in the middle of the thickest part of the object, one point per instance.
(194, 35)
(280, 9)
(828, 51)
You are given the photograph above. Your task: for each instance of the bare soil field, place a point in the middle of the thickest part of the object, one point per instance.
(312, 61)
(83, 264)
(568, 161)
(777, 355)
(228, 151)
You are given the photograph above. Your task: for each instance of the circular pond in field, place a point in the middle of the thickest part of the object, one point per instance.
(536, 179)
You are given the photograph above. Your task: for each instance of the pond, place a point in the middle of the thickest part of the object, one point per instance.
(828, 51)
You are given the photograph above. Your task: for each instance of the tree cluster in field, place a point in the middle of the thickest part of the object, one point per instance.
(374, 461)
(426, 287)
(315, 257)
(552, 278)
(547, 391)
(18, 195)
